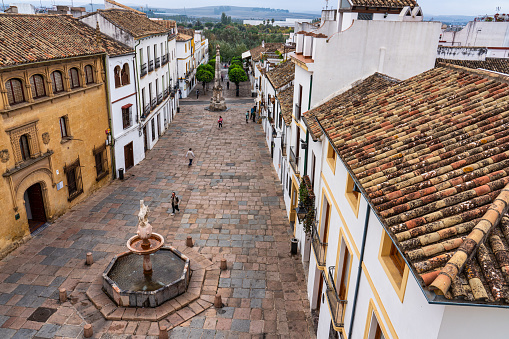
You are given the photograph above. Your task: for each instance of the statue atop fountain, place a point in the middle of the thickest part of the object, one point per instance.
(144, 228)
(217, 102)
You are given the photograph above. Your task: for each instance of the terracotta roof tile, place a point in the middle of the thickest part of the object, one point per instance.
(29, 38)
(384, 3)
(285, 98)
(431, 154)
(500, 65)
(138, 25)
(282, 74)
(183, 37)
(257, 52)
(114, 3)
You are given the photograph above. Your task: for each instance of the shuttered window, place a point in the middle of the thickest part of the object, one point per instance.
(56, 82)
(37, 84)
(15, 93)
(74, 79)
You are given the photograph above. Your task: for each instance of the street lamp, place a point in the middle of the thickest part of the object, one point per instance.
(274, 134)
(302, 211)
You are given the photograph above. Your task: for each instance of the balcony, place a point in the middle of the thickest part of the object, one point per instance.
(159, 98)
(144, 69)
(166, 93)
(294, 161)
(336, 305)
(153, 103)
(165, 59)
(297, 112)
(158, 62)
(319, 247)
(146, 111)
(151, 65)
(283, 147)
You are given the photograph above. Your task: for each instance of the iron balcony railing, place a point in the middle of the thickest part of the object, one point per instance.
(151, 65)
(158, 62)
(294, 161)
(159, 98)
(319, 247)
(144, 69)
(165, 93)
(146, 111)
(164, 60)
(153, 103)
(297, 112)
(336, 305)
(283, 147)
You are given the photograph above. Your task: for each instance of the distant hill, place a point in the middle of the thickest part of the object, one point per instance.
(457, 20)
(238, 12)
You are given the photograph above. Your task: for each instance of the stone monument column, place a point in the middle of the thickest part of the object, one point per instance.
(217, 102)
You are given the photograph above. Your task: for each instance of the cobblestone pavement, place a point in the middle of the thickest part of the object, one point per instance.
(231, 204)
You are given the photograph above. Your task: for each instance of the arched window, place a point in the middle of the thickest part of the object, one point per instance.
(116, 71)
(74, 78)
(37, 84)
(125, 74)
(15, 93)
(56, 82)
(24, 147)
(89, 75)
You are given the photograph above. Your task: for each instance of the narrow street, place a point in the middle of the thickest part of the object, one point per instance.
(231, 205)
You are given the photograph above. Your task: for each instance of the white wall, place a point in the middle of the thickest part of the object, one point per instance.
(109, 29)
(479, 33)
(462, 53)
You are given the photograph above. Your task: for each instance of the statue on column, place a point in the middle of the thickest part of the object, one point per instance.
(217, 102)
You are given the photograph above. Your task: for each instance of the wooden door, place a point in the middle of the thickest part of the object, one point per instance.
(145, 138)
(36, 202)
(293, 203)
(319, 296)
(128, 155)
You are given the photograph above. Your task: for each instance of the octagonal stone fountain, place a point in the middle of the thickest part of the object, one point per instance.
(149, 274)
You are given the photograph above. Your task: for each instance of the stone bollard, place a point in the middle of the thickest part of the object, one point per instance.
(88, 331)
(62, 295)
(224, 265)
(218, 303)
(90, 258)
(163, 332)
(189, 241)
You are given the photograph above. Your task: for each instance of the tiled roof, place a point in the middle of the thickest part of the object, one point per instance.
(281, 74)
(493, 64)
(257, 52)
(114, 3)
(285, 98)
(384, 3)
(183, 37)
(432, 157)
(137, 25)
(355, 95)
(29, 38)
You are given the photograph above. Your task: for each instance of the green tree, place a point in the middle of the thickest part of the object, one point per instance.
(237, 75)
(204, 75)
(209, 25)
(272, 21)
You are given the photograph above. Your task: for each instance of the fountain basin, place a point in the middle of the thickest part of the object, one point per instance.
(135, 244)
(125, 282)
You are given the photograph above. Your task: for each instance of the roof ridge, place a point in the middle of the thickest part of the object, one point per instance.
(470, 245)
(475, 71)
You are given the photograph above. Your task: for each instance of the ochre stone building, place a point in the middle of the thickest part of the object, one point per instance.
(53, 119)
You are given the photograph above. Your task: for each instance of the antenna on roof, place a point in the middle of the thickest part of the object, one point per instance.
(498, 9)
(326, 4)
(91, 5)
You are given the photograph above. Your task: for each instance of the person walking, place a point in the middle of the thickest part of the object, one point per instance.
(190, 156)
(174, 203)
(222, 78)
(247, 117)
(180, 94)
(197, 93)
(227, 84)
(220, 122)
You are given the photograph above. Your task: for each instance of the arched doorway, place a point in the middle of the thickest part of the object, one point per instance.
(34, 205)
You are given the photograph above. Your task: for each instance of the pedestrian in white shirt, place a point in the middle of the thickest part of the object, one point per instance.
(190, 156)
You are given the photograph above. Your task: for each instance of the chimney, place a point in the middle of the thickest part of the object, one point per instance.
(263, 43)
(97, 34)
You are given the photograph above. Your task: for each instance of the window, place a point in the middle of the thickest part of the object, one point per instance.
(89, 74)
(24, 147)
(125, 75)
(74, 79)
(352, 194)
(126, 115)
(37, 84)
(153, 130)
(101, 161)
(15, 93)
(56, 82)
(394, 265)
(64, 127)
(373, 328)
(365, 16)
(74, 182)
(331, 157)
(116, 72)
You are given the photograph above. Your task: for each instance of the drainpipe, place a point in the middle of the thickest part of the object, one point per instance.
(110, 123)
(307, 132)
(359, 270)
(138, 84)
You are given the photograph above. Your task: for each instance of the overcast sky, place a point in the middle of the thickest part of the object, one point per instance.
(430, 7)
